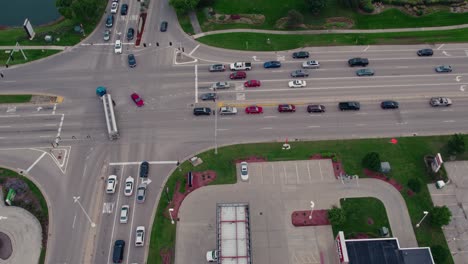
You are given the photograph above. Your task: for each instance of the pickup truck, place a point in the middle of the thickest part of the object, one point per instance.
(240, 66)
(349, 106)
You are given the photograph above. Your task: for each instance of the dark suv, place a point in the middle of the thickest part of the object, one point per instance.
(349, 106)
(119, 247)
(201, 111)
(315, 108)
(425, 52)
(144, 169)
(300, 55)
(358, 62)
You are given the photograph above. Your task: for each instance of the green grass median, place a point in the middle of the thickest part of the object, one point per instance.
(15, 98)
(406, 159)
(258, 41)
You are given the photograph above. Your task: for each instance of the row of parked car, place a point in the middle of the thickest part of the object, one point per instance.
(314, 108)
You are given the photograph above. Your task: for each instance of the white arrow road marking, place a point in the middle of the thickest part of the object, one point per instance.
(457, 78)
(254, 58)
(107, 208)
(446, 53)
(462, 88)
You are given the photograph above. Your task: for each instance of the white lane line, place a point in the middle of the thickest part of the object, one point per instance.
(45, 136)
(270, 117)
(448, 121)
(60, 126)
(49, 124)
(360, 125)
(34, 164)
(4, 126)
(441, 45)
(402, 67)
(74, 220)
(115, 217)
(2, 137)
(223, 129)
(139, 162)
(196, 83)
(10, 116)
(313, 126)
(266, 128)
(194, 49)
(55, 107)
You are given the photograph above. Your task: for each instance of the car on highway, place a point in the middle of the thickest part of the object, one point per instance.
(220, 85)
(124, 9)
(286, 108)
(163, 26)
(114, 7)
(227, 110)
(253, 109)
(300, 55)
(131, 61)
(202, 111)
(141, 193)
(297, 84)
(315, 108)
(140, 236)
(124, 212)
(358, 62)
(443, 68)
(217, 68)
(208, 96)
(117, 255)
(111, 184)
(107, 34)
(118, 47)
(137, 99)
(129, 183)
(252, 83)
(238, 75)
(299, 73)
(440, 101)
(312, 64)
(351, 105)
(244, 171)
(110, 21)
(271, 64)
(425, 52)
(389, 104)
(130, 33)
(365, 72)
(144, 169)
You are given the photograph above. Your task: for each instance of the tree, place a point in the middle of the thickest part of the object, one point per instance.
(316, 5)
(352, 4)
(184, 6)
(414, 185)
(371, 161)
(336, 216)
(205, 3)
(439, 253)
(294, 18)
(79, 10)
(440, 216)
(64, 8)
(456, 144)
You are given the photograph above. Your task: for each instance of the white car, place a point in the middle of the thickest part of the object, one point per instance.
(140, 236)
(118, 47)
(297, 84)
(244, 171)
(114, 7)
(312, 64)
(227, 110)
(129, 182)
(124, 212)
(111, 184)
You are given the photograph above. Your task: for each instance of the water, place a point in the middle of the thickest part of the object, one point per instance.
(39, 12)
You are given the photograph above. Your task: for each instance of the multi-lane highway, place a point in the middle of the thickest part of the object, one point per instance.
(165, 131)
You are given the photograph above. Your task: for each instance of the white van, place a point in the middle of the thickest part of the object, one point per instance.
(212, 256)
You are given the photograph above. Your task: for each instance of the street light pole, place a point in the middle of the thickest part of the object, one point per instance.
(425, 214)
(312, 205)
(216, 129)
(170, 214)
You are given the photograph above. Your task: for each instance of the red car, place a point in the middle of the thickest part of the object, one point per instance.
(286, 108)
(252, 83)
(253, 109)
(238, 75)
(137, 99)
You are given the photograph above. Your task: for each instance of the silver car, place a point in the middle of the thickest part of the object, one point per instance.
(227, 110)
(220, 85)
(107, 34)
(141, 193)
(312, 64)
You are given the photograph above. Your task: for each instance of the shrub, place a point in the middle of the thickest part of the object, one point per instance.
(366, 6)
(414, 185)
(456, 144)
(294, 18)
(371, 161)
(336, 216)
(440, 216)
(439, 253)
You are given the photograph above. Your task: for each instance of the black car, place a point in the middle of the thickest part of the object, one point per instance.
(130, 33)
(300, 55)
(144, 169)
(358, 62)
(163, 26)
(201, 111)
(349, 106)
(425, 52)
(119, 247)
(131, 60)
(110, 21)
(315, 108)
(124, 9)
(208, 96)
(389, 105)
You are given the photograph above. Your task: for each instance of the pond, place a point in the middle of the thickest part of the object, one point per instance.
(13, 12)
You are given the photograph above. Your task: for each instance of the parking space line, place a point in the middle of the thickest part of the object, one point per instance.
(320, 169)
(308, 171)
(297, 174)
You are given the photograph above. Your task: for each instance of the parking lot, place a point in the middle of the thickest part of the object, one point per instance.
(274, 190)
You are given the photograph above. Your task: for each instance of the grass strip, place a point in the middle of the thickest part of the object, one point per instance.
(15, 98)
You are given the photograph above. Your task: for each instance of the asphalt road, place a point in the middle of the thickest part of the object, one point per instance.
(164, 130)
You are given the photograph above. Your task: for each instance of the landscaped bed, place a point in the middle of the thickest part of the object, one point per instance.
(405, 157)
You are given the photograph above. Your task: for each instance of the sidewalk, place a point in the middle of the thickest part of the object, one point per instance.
(35, 47)
(328, 31)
